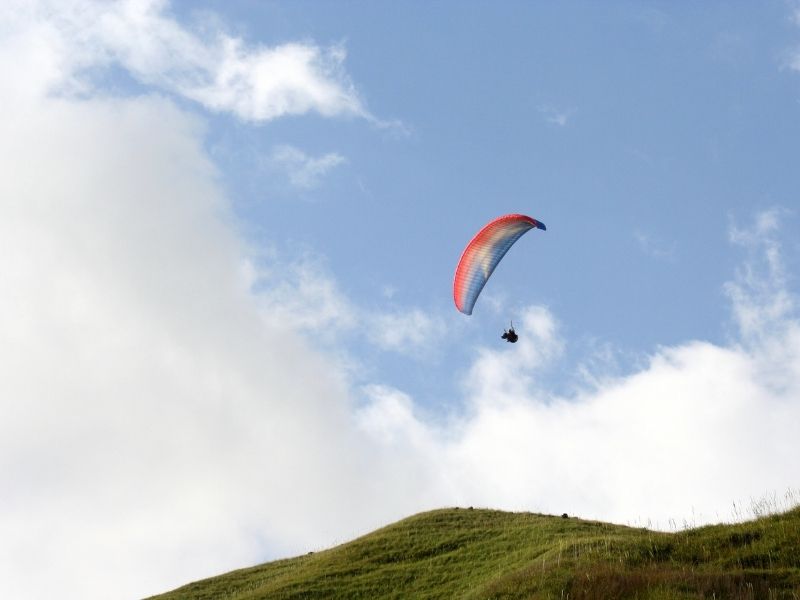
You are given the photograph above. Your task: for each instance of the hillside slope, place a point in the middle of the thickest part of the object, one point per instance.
(465, 553)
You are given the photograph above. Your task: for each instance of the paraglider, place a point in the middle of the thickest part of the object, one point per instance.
(483, 253)
(510, 335)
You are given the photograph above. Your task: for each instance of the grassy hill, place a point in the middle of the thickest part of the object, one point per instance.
(465, 553)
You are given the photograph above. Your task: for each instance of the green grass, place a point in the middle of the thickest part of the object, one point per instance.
(465, 553)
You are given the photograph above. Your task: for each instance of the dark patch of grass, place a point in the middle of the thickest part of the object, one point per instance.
(601, 582)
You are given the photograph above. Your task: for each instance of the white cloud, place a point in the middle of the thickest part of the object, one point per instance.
(304, 171)
(302, 295)
(69, 38)
(156, 427)
(408, 331)
(500, 374)
(390, 418)
(148, 410)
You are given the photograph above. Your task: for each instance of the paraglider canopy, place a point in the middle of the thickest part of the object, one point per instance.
(483, 254)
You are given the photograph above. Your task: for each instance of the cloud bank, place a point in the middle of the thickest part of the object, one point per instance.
(157, 428)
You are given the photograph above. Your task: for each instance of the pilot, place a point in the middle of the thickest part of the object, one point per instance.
(510, 335)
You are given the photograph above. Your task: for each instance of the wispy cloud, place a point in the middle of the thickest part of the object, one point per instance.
(556, 116)
(410, 331)
(792, 57)
(222, 72)
(304, 171)
(731, 47)
(760, 294)
(302, 295)
(655, 248)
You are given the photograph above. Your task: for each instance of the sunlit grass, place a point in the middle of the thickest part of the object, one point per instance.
(465, 553)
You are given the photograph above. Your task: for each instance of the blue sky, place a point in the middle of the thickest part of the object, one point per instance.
(637, 133)
(228, 232)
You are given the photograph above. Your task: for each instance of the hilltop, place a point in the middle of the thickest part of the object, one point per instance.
(465, 553)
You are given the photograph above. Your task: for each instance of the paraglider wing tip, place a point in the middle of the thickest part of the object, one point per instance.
(463, 309)
(541, 226)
